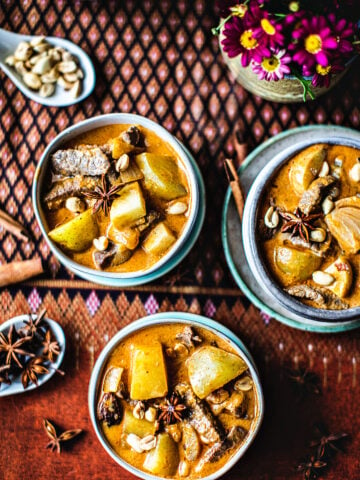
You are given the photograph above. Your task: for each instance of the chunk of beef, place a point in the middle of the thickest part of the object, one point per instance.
(83, 160)
(200, 416)
(312, 197)
(69, 187)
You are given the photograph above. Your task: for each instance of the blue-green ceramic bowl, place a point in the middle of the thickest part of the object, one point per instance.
(162, 319)
(192, 227)
(242, 267)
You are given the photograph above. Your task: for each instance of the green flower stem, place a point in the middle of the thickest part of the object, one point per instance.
(216, 30)
(306, 86)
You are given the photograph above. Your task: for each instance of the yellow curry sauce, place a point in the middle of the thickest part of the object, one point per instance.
(284, 194)
(177, 372)
(140, 260)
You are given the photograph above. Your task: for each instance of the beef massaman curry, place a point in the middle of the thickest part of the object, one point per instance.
(176, 402)
(310, 226)
(118, 198)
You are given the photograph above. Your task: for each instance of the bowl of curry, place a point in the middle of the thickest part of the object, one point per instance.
(301, 228)
(175, 395)
(117, 197)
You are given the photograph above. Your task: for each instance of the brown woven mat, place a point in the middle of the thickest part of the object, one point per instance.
(160, 60)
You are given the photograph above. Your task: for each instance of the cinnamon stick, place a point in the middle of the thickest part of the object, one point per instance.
(235, 185)
(15, 272)
(13, 226)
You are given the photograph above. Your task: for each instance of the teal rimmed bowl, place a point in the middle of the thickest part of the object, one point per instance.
(186, 319)
(192, 227)
(232, 231)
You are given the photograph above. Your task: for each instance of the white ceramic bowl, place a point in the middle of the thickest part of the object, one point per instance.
(186, 319)
(194, 179)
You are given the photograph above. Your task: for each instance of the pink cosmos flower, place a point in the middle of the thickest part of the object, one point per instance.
(322, 75)
(315, 44)
(273, 67)
(239, 39)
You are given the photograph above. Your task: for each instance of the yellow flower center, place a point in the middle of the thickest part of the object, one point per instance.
(267, 27)
(323, 70)
(239, 10)
(313, 43)
(270, 64)
(247, 40)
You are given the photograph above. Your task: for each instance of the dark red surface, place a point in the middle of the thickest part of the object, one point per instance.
(160, 60)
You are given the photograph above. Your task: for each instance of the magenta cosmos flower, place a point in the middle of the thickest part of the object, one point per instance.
(273, 67)
(315, 44)
(269, 32)
(342, 30)
(322, 75)
(239, 39)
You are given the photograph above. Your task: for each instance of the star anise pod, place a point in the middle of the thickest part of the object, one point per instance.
(328, 442)
(32, 369)
(299, 224)
(310, 467)
(103, 195)
(56, 440)
(4, 374)
(304, 382)
(34, 327)
(51, 347)
(172, 411)
(10, 344)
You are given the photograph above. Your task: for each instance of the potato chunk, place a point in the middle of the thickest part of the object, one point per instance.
(159, 239)
(342, 272)
(78, 233)
(305, 167)
(128, 207)
(164, 458)
(137, 426)
(298, 264)
(119, 147)
(161, 175)
(148, 372)
(210, 368)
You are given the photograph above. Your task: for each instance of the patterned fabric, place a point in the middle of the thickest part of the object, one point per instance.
(159, 59)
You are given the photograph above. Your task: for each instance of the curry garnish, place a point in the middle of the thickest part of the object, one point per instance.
(310, 467)
(304, 382)
(109, 409)
(188, 337)
(10, 344)
(327, 443)
(103, 195)
(56, 440)
(32, 369)
(172, 411)
(51, 347)
(298, 223)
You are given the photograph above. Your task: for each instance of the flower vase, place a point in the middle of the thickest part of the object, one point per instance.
(287, 90)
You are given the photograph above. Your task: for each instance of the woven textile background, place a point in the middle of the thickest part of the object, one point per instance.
(158, 58)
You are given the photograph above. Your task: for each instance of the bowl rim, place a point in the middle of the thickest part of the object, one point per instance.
(162, 319)
(117, 119)
(252, 251)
